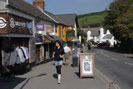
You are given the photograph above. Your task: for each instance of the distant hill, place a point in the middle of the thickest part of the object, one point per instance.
(91, 19)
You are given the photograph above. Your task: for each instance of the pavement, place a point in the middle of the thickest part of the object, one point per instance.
(116, 66)
(44, 77)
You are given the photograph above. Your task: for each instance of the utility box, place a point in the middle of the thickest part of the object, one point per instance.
(75, 61)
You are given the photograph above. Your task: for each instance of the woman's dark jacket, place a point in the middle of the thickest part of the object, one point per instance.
(58, 52)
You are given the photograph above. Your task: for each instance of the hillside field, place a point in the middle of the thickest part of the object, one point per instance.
(91, 18)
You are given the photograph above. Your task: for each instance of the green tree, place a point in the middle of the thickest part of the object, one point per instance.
(120, 22)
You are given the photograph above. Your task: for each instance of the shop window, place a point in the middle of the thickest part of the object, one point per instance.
(63, 31)
(60, 31)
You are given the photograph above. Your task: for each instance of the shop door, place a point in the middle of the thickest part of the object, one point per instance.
(38, 53)
(51, 50)
(45, 52)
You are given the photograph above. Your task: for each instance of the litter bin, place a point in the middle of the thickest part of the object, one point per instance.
(74, 61)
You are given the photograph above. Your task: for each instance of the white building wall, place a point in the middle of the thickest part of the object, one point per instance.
(75, 29)
(89, 36)
(100, 39)
(101, 35)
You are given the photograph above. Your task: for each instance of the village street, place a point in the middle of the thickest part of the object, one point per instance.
(116, 66)
(66, 44)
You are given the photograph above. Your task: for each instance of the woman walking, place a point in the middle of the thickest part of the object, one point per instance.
(58, 58)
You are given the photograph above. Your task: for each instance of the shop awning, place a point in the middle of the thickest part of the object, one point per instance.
(75, 39)
(53, 38)
(17, 35)
(57, 38)
(46, 39)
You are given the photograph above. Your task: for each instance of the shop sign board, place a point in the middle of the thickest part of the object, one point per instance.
(87, 65)
(10, 23)
(50, 29)
(14, 23)
(3, 22)
(40, 27)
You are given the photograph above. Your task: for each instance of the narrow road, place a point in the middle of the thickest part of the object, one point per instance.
(116, 66)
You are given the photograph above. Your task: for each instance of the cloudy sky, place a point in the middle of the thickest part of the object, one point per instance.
(75, 6)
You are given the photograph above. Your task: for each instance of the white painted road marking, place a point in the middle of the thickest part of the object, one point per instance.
(129, 63)
(106, 55)
(114, 59)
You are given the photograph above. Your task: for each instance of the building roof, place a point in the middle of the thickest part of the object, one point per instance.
(23, 6)
(55, 18)
(94, 31)
(68, 19)
(109, 36)
(28, 9)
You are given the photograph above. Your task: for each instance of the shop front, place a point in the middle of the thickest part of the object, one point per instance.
(39, 48)
(15, 33)
(49, 45)
(39, 42)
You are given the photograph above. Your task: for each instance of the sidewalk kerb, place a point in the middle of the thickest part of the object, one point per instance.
(106, 79)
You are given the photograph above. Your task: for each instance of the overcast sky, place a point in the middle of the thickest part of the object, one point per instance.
(75, 6)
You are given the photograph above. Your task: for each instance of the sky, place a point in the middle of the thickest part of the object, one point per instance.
(75, 6)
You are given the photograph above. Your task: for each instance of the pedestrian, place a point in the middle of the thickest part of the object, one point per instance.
(89, 45)
(67, 52)
(82, 48)
(58, 58)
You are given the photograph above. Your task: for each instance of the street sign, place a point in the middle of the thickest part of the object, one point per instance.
(87, 65)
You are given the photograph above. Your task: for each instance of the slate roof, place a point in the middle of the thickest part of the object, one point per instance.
(94, 31)
(65, 19)
(68, 19)
(56, 18)
(28, 9)
(109, 36)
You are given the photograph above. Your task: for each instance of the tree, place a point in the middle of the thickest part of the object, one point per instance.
(120, 22)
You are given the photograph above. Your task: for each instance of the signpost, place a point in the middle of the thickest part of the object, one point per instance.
(87, 65)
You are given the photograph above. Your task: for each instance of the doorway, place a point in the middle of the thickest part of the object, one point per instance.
(1, 72)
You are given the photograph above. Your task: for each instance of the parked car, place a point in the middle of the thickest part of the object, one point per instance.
(104, 44)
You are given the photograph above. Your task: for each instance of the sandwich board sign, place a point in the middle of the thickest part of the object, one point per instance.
(87, 65)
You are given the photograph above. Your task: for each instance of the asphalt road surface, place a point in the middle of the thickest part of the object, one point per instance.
(116, 66)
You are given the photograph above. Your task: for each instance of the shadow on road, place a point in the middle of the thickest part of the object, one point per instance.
(115, 51)
(30, 79)
(55, 76)
(78, 75)
(110, 49)
(131, 57)
(10, 83)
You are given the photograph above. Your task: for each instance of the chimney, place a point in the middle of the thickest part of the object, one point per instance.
(39, 3)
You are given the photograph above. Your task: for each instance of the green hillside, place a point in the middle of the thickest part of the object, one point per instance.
(91, 19)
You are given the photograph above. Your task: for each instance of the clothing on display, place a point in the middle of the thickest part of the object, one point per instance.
(17, 56)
